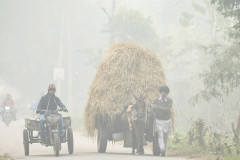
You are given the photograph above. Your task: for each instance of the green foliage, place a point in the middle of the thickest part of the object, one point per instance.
(185, 21)
(131, 25)
(232, 157)
(217, 144)
(6, 157)
(197, 132)
(184, 149)
(223, 75)
(230, 8)
(199, 8)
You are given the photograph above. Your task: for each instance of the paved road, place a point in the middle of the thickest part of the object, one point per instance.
(85, 148)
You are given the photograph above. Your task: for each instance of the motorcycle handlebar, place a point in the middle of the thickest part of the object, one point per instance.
(44, 111)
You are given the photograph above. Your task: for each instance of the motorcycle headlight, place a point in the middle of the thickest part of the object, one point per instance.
(7, 108)
(52, 119)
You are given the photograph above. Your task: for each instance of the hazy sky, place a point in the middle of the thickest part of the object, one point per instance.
(36, 29)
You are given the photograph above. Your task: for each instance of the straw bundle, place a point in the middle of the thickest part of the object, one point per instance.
(128, 70)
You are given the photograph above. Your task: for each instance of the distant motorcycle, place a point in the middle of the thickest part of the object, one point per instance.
(7, 115)
(33, 106)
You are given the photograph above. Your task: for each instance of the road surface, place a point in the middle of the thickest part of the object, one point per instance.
(84, 149)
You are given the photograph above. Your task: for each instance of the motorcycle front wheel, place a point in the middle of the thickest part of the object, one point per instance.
(7, 118)
(56, 144)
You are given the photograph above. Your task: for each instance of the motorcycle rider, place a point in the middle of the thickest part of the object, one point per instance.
(50, 102)
(163, 123)
(8, 101)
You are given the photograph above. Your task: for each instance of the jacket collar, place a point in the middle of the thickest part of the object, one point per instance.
(50, 96)
(163, 99)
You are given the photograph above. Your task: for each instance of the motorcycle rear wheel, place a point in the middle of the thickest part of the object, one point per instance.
(26, 142)
(70, 140)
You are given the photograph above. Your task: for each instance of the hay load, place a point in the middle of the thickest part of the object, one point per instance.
(128, 69)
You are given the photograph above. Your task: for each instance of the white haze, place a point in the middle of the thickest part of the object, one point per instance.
(31, 30)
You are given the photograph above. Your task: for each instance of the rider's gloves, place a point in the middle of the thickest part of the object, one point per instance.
(127, 105)
(46, 114)
(40, 112)
(65, 109)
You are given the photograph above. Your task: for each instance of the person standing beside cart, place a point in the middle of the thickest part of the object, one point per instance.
(163, 122)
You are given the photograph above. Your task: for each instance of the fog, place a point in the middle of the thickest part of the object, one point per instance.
(38, 36)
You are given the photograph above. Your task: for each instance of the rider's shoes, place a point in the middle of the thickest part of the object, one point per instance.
(43, 141)
(63, 139)
(163, 153)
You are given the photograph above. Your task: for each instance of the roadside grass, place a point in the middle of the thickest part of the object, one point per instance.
(184, 149)
(195, 151)
(6, 157)
(232, 157)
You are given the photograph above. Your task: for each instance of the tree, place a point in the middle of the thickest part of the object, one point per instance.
(230, 9)
(131, 25)
(223, 75)
(126, 25)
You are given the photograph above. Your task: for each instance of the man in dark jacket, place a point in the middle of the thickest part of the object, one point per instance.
(163, 123)
(50, 102)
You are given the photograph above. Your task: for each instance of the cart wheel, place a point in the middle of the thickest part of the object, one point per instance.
(102, 140)
(156, 149)
(26, 142)
(56, 144)
(70, 140)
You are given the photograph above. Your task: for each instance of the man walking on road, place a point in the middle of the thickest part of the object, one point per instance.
(163, 123)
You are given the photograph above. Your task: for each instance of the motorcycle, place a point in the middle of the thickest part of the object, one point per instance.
(52, 135)
(7, 115)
